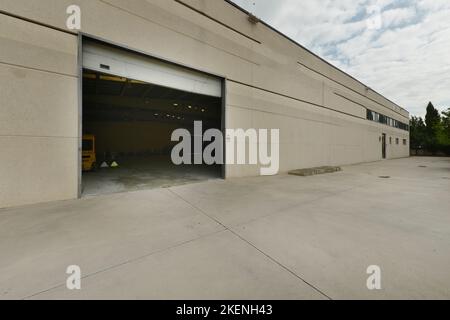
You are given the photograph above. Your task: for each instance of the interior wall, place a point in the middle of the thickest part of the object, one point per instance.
(131, 137)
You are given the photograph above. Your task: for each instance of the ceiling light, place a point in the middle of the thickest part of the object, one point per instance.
(190, 107)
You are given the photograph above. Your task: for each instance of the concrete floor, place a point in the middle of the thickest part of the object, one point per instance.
(282, 237)
(143, 173)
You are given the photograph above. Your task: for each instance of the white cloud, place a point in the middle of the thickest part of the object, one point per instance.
(407, 60)
(397, 17)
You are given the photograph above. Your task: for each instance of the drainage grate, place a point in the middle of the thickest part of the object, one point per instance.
(385, 177)
(423, 167)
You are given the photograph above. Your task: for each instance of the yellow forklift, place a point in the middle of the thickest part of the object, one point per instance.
(89, 153)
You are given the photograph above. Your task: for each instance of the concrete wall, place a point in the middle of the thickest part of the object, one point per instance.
(272, 83)
(38, 114)
(309, 136)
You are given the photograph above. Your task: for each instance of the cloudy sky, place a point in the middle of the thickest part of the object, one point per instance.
(400, 48)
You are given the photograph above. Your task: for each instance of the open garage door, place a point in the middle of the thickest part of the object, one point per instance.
(103, 58)
(131, 106)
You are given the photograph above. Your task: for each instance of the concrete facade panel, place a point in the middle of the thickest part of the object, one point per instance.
(273, 83)
(37, 103)
(36, 169)
(39, 118)
(196, 42)
(29, 45)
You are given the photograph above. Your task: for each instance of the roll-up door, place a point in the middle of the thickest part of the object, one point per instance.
(107, 59)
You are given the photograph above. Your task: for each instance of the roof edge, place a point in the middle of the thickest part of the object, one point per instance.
(230, 2)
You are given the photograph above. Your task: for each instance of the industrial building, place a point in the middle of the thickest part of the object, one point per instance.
(137, 70)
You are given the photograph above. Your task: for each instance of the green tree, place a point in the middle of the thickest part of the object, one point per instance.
(433, 128)
(432, 117)
(444, 132)
(446, 121)
(418, 133)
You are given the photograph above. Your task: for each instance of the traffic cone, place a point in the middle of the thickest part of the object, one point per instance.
(104, 165)
(114, 165)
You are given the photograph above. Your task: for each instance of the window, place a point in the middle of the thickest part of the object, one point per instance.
(405, 142)
(380, 118)
(397, 141)
(88, 145)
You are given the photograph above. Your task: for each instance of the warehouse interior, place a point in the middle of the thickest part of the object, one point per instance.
(131, 122)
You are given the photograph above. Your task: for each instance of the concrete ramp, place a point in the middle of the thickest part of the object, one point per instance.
(314, 171)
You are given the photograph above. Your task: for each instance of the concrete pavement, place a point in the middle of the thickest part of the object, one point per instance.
(282, 237)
